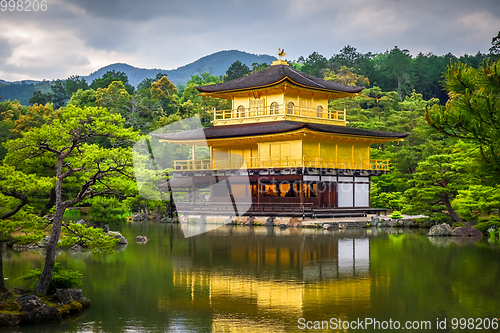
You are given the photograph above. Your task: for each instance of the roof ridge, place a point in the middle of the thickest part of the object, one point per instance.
(277, 74)
(284, 126)
(302, 75)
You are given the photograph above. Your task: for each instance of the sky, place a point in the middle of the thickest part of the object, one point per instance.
(77, 37)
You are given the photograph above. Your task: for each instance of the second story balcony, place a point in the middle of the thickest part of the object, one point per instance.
(276, 112)
(283, 162)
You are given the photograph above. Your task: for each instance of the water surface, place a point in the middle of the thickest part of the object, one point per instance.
(258, 279)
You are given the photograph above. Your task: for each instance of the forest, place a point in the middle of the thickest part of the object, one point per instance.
(71, 146)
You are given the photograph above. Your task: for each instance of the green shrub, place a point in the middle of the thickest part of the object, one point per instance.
(440, 218)
(458, 224)
(483, 225)
(61, 278)
(104, 210)
(72, 213)
(396, 215)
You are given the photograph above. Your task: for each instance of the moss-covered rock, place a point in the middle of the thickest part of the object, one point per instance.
(440, 230)
(71, 308)
(19, 308)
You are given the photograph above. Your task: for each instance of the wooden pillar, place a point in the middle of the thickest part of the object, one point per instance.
(212, 162)
(301, 190)
(258, 192)
(193, 157)
(336, 193)
(211, 188)
(319, 193)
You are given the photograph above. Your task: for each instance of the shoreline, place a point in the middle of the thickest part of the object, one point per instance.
(337, 222)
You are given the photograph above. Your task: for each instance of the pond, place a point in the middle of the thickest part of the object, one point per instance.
(258, 279)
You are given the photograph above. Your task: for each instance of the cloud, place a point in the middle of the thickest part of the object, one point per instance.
(5, 49)
(80, 36)
(130, 10)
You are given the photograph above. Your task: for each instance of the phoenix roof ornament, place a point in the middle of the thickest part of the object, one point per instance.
(281, 53)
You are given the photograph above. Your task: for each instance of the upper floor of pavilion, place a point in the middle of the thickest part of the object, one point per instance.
(278, 93)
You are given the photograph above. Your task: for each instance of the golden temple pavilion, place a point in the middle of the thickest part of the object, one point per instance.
(299, 157)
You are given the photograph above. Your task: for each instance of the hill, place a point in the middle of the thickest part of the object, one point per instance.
(216, 63)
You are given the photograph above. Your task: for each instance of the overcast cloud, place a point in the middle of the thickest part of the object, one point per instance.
(80, 36)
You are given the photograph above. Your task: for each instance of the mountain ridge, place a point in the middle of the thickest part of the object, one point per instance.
(216, 63)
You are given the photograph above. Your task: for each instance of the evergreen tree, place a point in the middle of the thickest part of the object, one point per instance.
(436, 183)
(315, 64)
(110, 76)
(92, 168)
(237, 70)
(495, 47)
(473, 111)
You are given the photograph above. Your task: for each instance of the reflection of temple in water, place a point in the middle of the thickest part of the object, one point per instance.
(276, 277)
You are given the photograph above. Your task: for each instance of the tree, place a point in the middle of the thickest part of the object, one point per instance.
(436, 183)
(346, 76)
(35, 116)
(104, 210)
(109, 77)
(190, 103)
(314, 64)
(91, 167)
(384, 111)
(237, 70)
(17, 221)
(495, 46)
(60, 91)
(256, 67)
(163, 89)
(83, 98)
(398, 68)
(347, 56)
(473, 110)
(136, 109)
(40, 98)
(58, 94)
(114, 97)
(477, 200)
(10, 111)
(74, 83)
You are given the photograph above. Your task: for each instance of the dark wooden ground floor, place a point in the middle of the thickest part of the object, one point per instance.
(294, 194)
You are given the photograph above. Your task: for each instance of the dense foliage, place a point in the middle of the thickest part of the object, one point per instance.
(394, 70)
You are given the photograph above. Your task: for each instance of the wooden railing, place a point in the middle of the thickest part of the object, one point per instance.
(224, 207)
(283, 162)
(279, 109)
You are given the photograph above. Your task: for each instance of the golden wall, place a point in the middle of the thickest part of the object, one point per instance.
(294, 150)
(281, 152)
(303, 100)
(310, 148)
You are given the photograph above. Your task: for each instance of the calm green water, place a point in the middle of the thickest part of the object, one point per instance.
(245, 279)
